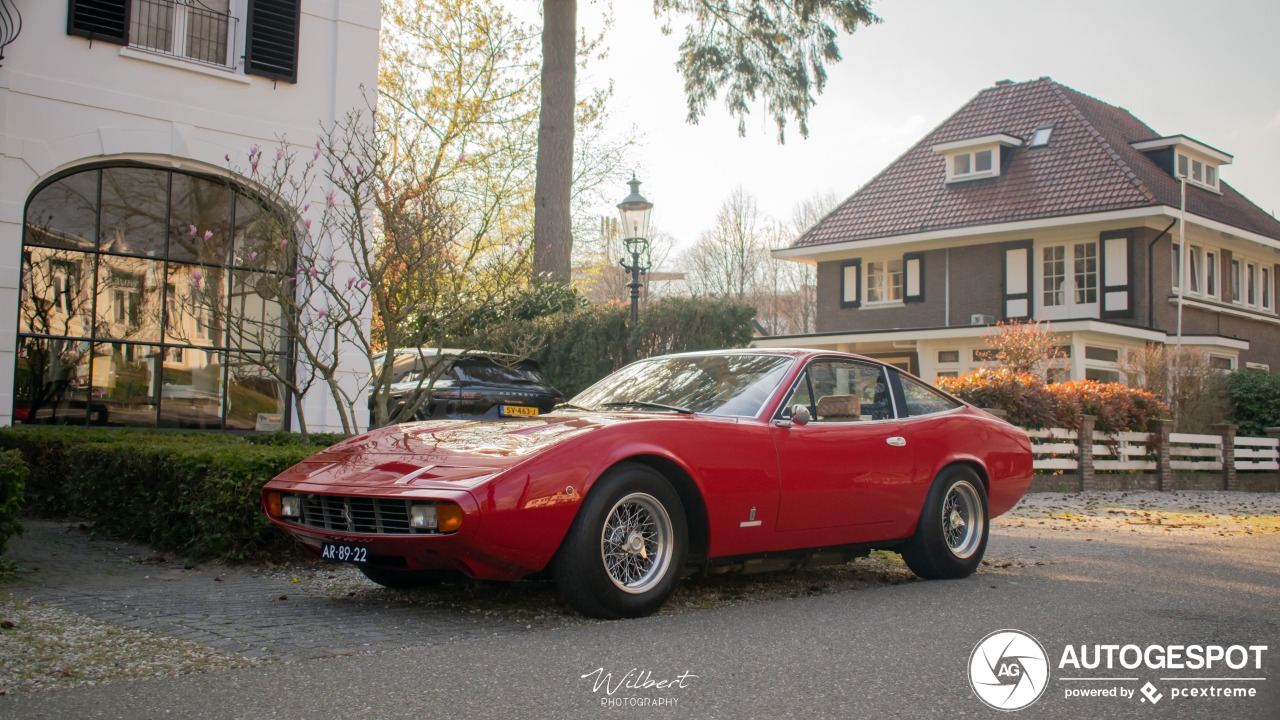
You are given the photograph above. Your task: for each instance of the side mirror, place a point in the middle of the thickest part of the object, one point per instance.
(800, 415)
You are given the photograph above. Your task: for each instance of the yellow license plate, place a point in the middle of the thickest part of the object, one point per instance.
(519, 411)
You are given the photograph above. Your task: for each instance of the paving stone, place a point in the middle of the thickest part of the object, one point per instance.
(66, 567)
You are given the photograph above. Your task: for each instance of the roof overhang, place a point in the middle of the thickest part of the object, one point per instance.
(1101, 327)
(997, 138)
(810, 253)
(1183, 141)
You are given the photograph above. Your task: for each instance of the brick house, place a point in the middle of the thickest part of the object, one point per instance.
(1036, 201)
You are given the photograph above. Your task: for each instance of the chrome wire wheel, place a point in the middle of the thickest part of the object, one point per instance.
(962, 519)
(636, 543)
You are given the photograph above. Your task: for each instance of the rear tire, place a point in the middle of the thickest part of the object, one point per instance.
(406, 579)
(625, 551)
(951, 536)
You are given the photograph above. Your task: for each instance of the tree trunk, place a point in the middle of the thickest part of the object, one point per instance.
(552, 225)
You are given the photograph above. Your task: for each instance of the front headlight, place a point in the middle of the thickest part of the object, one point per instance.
(423, 516)
(290, 506)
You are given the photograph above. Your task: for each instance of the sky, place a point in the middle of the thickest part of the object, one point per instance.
(1207, 70)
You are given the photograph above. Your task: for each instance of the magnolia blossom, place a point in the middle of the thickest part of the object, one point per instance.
(284, 243)
(196, 277)
(307, 222)
(364, 284)
(321, 313)
(208, 234)
(253, 255)
(350, 281)
(312, 272)
(330, 197)
(279, 153)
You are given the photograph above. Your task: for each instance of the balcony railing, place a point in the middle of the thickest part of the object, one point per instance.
(202, 32)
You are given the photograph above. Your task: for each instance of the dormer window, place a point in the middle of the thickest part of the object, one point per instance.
(1184, 157)
(974, 158)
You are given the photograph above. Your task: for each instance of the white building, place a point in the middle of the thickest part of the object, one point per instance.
(116, 117)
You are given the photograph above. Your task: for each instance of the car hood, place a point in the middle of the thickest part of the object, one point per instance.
(441, 453)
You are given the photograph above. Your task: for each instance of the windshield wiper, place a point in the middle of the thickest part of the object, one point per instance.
(647, 404)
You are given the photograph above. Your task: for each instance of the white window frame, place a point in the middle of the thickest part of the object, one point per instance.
(1195, 270)
(1211, 274)
(1070, 307)
(1197, 170)
(883, 282)
(971, 161)
(1232, 363)
(180, 18)
(1266, 288)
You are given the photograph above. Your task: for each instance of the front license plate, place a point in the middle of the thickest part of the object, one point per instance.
(519, 411)
(338, 552)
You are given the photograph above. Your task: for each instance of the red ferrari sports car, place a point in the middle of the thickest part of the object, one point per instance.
(728, 460)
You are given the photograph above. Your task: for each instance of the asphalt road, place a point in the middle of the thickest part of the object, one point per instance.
(898, 651)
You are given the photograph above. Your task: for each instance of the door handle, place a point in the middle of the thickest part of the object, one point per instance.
(896, 441)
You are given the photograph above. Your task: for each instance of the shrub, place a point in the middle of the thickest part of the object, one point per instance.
(194, 493)
(1255, 401)
(1030, 403)
(13, 477)
(1023, 396)
(1117, 407)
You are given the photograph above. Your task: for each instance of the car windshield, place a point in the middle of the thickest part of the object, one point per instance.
(731, 385)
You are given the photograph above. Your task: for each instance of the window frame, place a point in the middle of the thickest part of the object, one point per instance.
(1070, 286)
(123, 285)
(883, 282)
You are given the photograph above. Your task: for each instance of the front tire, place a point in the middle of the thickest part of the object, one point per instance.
(624, 553)
(951, 536)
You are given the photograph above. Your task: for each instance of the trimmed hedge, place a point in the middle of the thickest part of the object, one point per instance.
(1255, 401)
(13, 477)
(582, 345)
(193, 493)
(1030, 403)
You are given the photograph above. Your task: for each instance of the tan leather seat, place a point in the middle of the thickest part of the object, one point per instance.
(839, 408)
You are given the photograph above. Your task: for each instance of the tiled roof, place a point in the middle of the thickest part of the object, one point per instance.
(1088, 166)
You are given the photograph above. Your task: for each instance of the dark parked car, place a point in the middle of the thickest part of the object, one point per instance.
(467, 384)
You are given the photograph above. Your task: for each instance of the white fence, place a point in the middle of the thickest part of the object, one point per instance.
(1059, 449)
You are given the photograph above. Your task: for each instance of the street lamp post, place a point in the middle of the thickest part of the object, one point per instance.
(635, 210)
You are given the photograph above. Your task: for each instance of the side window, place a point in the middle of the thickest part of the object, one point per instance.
(799, 396)
(848, 391)
(924, 400)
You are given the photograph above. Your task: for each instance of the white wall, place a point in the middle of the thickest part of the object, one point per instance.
(65, 102)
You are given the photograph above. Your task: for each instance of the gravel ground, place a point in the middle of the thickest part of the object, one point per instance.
(45, 648)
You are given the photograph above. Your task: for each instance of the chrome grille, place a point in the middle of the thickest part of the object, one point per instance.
(372, 516)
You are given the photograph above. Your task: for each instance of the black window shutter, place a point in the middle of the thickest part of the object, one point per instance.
(271, 39)
(104, 20)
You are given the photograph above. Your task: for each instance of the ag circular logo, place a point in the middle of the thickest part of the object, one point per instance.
(1008, 670)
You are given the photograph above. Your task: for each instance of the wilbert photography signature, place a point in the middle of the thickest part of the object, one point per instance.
(636, 679)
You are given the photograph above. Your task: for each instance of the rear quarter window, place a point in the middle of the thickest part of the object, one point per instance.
(923, 400)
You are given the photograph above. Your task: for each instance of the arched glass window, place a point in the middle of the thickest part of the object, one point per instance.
(149, 297)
